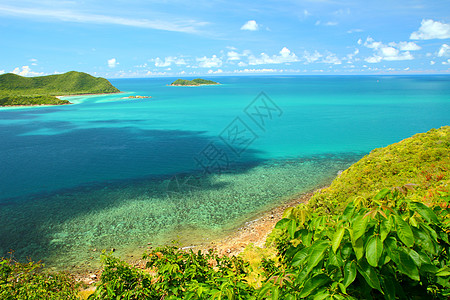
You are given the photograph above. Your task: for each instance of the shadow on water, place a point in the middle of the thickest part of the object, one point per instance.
(43, 224)
(67, 191)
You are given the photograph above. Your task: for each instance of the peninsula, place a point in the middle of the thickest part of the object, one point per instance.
(16, 90)
(193, 82)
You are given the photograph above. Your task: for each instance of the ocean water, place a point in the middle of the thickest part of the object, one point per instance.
(190, 163)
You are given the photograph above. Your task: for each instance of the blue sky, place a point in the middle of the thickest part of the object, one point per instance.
(146, 38)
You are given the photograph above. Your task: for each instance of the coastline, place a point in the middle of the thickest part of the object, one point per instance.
(33, 105)
(255, 231)
(59, 97)
(100, 94)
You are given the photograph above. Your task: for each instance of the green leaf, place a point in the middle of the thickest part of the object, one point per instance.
(334, 259)
(445, 271)
(385, 229)
(359, 227)
(425, 212)
(369, 273)
(337, 238)
(359, 248)
(264, 290)
(404, 232)
(288, 212)
(346, 250)
(275, 293)
(313, 283)
(415, 257)
(382, 194)
(282, 224)
(349, 210)
(316, 254)
(374, 249)
(321, 296)
(292, 228)
(406, 265)
(349, 273)
(300, 257)
(424, 240)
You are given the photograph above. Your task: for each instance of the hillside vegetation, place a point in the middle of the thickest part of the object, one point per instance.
(420, 162)
(194, 82)
(18, 90)
(380, 231)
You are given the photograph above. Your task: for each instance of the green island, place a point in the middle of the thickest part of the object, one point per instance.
(379, 231)
(193, 82)
(16, 90)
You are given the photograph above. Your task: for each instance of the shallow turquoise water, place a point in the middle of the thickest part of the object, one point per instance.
(111, 172)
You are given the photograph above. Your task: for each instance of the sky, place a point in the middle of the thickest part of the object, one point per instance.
(151, 38)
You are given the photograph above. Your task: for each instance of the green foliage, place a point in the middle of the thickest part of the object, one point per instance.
(18, 90)
(421, 161)
(194, 82)
(175, 274)
(393, 248)
(13, 100)
(29, 281)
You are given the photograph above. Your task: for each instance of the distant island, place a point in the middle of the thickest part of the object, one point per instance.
(16, 90)
(193, 82)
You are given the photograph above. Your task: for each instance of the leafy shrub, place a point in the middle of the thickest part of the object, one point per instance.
(29, 281)
(392, 248)
(175, 274)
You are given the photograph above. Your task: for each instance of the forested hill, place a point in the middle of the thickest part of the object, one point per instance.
(61, 84)
(18, 90)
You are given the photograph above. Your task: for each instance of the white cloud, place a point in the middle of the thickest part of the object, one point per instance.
(242, 64)
(444, 50)
(187, 26)
(446, 62)
(432, 62)
(285, 56)
(168, 61)
(406, 46)
(112, 63)
(206, 62)
(257, 71)
(2, 72)
(306, 13)
(215, 72)
(430, 29)
(373, 59)
(331, 24)
(310, 58)
(26, 71)
(250, 25)
(233, 55)
(372, 44)
(389, 53)
(332, 59)
(350, 56)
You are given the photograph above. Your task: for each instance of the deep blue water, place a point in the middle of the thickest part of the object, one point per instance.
(94, 159)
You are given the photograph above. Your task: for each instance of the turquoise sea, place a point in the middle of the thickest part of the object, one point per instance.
(190, 163)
